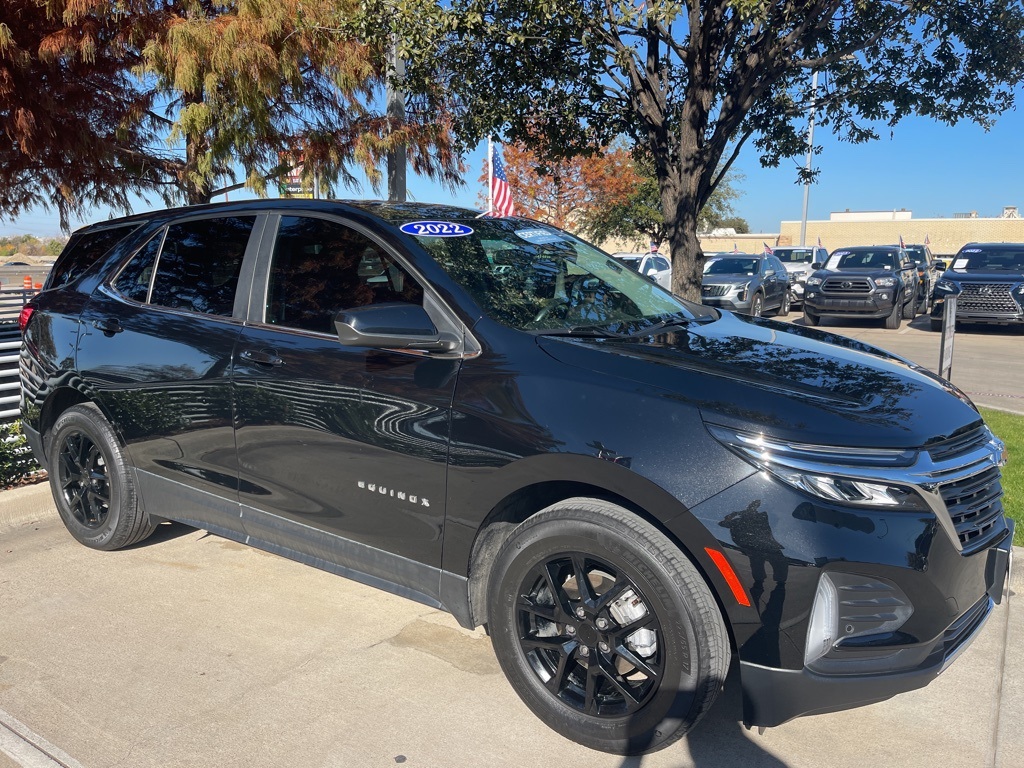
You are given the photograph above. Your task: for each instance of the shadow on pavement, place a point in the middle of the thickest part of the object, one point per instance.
(720, 740)
(166, 531)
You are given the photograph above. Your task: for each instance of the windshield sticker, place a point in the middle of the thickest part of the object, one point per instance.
(833, 263)
(539, 236)
(972, 250)
(960, 263)
(436, 229)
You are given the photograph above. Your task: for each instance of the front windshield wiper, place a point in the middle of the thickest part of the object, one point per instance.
(583, 331)
(671, 322)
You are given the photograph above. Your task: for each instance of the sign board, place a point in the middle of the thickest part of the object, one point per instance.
(948, 331)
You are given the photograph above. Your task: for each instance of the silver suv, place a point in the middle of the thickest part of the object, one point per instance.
(751, 284)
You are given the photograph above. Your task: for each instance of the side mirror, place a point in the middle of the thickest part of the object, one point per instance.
(940, 265)
(815, 265)
(392, 326)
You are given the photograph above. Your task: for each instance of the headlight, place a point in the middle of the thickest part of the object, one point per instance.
(885, 282)
(1020, 290)
(814, 281)
(854, 476)
(946, 286)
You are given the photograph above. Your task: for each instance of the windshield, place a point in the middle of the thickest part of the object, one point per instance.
(795, 255)
(1008, 258)
(633, 262)
(731, 266)
(917, 255)
(863, 259)
(532, 276)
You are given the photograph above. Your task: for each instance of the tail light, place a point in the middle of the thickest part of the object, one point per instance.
(25, 316)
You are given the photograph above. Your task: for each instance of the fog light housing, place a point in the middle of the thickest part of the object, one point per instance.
(883, 296)
(824, 624)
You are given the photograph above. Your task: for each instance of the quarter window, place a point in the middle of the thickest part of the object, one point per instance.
(200, 263)
(82, 251)
(321, 267)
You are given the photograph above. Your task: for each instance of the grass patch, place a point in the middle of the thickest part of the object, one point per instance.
(1009, 427)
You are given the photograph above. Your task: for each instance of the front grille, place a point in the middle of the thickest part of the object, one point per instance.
(994, 298)
(975, 506)
(846, 285)
(959, 444)
(715, 290)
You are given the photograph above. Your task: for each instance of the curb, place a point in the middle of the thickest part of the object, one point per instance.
(26, 504)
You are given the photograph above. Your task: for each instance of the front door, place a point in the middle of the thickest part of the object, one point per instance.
(342, 450)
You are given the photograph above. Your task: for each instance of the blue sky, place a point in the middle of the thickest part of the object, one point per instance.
(931, 169)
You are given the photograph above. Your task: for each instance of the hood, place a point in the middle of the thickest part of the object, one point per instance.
(793, 383)
(983, 276)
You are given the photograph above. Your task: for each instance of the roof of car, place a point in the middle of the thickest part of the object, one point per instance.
(382, 209)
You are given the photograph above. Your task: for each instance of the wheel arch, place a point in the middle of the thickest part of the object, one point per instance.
(638, 496)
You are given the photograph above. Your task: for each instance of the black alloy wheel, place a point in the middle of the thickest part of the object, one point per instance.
(784, 307)
(83, 480)
(92, 483)
(589, 636)
(604, 628)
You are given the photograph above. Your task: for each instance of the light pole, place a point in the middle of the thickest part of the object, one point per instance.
(396, 111)
(810, 151)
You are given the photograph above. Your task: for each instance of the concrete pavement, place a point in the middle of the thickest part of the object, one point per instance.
(190, 650)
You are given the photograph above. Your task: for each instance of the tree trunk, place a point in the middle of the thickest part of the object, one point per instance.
(196, 187)
(687, 257)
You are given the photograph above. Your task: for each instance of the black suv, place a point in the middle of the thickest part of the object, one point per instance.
(492, 417)
(989, 278)
(874, 281)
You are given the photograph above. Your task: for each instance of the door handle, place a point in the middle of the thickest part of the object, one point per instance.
(261, 357)
(108, 327)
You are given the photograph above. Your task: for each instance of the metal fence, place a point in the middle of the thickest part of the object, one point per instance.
(11, 302)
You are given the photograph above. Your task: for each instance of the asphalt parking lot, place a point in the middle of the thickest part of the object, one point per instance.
(191, 650)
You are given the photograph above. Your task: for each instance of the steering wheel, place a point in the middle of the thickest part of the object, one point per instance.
(557, 304)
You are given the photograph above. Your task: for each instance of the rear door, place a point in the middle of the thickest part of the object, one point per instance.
(342, 450)
(155, 351)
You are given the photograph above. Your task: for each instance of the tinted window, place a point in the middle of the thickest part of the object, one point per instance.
(661, 264)
(320, 267)
(134, 280)
(732, 266)
(795, 255)
(82, 251)
(199, 265)
(865, 260)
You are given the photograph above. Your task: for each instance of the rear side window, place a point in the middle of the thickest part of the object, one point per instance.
(320, 267)
(199, 265)
(134, 280)
(82, 251)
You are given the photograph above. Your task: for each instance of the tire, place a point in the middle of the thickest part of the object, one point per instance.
(936, 323)
(892, 322)
(756, 305)
(810, 318)
(562, 664)
(910, 308)
(784, 309)
(101, 509)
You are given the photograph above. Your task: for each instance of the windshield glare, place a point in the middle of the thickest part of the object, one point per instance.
(865, 259)
(1008, 258)
(532, 276)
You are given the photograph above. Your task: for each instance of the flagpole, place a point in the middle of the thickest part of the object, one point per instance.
(490, 177)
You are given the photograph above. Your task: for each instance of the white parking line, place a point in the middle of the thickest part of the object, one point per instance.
(28, 749)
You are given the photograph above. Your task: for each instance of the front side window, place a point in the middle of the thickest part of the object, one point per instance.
(321, 267)
(199, 265)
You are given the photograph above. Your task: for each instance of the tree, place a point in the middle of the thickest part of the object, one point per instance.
(102, 100)
(638, 217)
(566, 191)
(693, 82)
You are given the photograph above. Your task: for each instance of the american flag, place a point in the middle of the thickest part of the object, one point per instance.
(767, 248)
(902, 245)
(819, 243)
(501, 194)
(927, 241)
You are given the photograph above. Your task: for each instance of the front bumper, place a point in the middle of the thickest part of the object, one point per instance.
(727, 302)
(969, 316)
(773, 696)
(870, 307)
